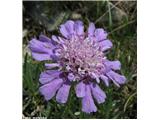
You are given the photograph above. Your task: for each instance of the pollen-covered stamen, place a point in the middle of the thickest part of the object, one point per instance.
(83, 56)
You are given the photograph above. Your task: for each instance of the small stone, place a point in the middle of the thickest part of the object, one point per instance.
(77, 113)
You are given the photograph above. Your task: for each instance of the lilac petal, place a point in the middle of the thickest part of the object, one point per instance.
(67, 29)
(116, 78)
(49, 90)
(71, 77)
(100, 34)
(41, 50)
(61, 40)
(95, 77)
(91, 29)
(56, 54)
(98, 93)
(55, 39)
(51, 65)
(80, 89)
(105, 44)
(55, 57)
(115, 65)
(63, 31)
(63, 93)
(105, 79)
(38, 46)
(40, 57)
(79, 28)
(48, 76)
(88, 105)
(44, 38)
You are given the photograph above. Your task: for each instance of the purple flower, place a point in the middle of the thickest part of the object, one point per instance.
(76, 56)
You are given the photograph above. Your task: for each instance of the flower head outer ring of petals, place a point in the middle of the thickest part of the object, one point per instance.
(77, 56)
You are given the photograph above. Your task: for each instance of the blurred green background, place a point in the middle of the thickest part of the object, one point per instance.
(119, 19)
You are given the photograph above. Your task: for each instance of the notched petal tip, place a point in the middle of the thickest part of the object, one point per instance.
(67, 29)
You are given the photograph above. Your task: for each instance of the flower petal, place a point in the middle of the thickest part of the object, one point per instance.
(96, 77)
(67, 29)
(105, 44)
(98, 93)
(51, 65)
(79, 28)
(100, 34)
(105, 79)
(88, 105)
(49, 90)
(44, 38)
(63, 31)
(37, 46)
(63, 93)
(80, 89)
(91, 29)
(71, 76)
(41, 50)
(40, 56)
(116, 78)
(55, 39)
(48, 76)
(115, 65)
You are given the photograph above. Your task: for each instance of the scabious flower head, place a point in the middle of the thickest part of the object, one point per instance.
(76, 56)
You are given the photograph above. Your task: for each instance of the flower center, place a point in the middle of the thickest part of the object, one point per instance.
(82, 56)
